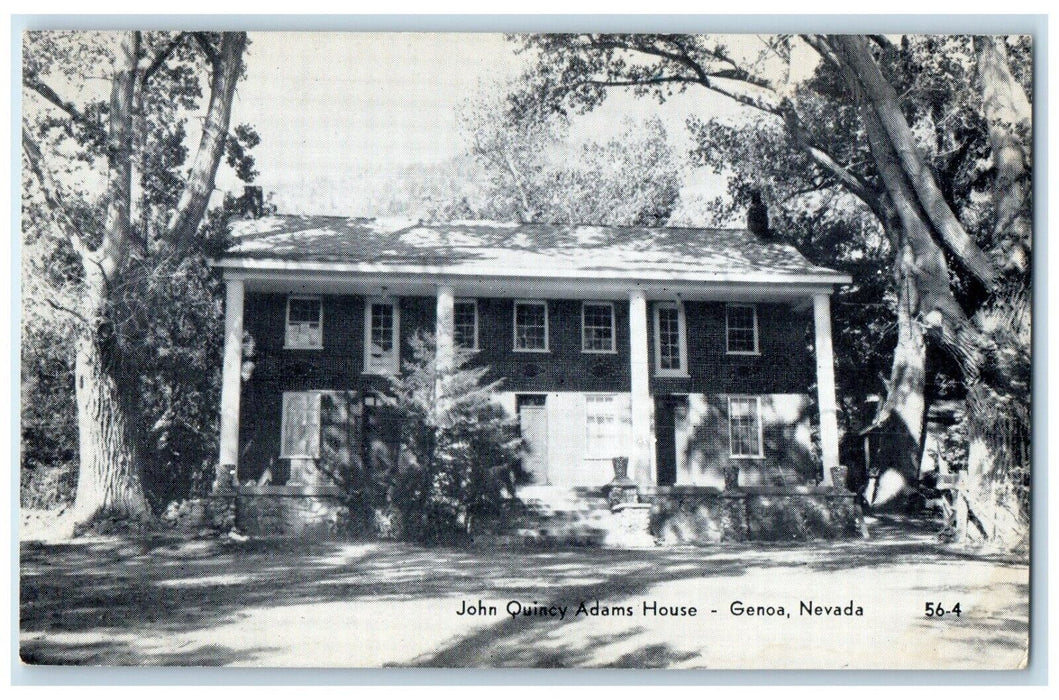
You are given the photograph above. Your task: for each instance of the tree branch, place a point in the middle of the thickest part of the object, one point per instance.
(196, 195)
(160, 57)
(38, 86)
(65, 309)
(57, 209)
(207, 48)
(883, 100)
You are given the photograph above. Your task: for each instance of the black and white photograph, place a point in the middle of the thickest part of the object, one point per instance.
(365, 349)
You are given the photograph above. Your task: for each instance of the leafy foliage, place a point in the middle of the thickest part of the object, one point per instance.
(527, 169)
(164, 312)
(459, 448)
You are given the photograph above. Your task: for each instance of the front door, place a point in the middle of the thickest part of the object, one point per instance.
(671, 428)
(533, 427)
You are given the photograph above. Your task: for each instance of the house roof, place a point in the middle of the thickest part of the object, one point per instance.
(485, 248)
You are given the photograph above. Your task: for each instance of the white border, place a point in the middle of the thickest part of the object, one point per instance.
(514, 325)
(727, 339)
(396, 334)
(613, 331)
(682, 333)
(286, 327)
(760, 427)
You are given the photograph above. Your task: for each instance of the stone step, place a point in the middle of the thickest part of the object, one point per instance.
(550, 515)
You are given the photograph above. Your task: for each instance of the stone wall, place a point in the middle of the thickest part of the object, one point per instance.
(691, 515)
(316, 515)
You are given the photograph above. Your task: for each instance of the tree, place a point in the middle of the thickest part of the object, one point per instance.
(114, 239)
(459, 448)
(529, 171)
(876, 157)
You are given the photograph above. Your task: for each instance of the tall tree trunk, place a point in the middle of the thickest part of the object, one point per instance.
(905, 404)
(109, 475)
(110, 478)
(990, 506)
(926, 301)
(1008, 115)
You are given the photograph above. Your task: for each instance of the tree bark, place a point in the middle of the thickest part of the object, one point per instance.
(1008, 117)
(988, 501)
(919, 256)
(109, 474)
(883, 99)
(196, 195)
(925, 298)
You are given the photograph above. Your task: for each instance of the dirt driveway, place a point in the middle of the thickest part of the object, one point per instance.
(283, 603)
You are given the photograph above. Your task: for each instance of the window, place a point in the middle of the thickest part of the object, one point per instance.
(531, 326)
(671, 344)
(608, 425)
(301, 425)
(305, 321)
(465, 324)
(744, 426)
(741, 322)
(381, 330)
(597, 326)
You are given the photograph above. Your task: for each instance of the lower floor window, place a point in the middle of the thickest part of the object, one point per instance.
(301, 424)
(608, 425)
(744, 426)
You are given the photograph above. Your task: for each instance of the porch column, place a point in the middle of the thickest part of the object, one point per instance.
(825, 384)
(231, 384)
(444, 329)
(640, 461)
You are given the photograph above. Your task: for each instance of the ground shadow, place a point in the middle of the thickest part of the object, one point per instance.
(96, 591)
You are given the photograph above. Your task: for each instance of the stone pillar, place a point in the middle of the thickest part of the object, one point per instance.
(231, 384)
(443, 331)
(825, 385)
(641, 459)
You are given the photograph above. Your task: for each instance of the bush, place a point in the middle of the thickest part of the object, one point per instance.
(793, 518)
(48, 486)
(459, 448)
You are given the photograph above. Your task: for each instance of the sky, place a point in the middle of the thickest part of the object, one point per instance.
(342, 114)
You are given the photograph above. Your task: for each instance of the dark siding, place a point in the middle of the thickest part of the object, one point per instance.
(785, 364)
(276, 370)
(565, 367)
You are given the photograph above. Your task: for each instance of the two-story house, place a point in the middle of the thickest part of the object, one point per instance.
(687, 350)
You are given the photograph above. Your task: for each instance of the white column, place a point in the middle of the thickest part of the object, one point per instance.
(641, 461)
(443, 330)
(231, 380)
(825, 384)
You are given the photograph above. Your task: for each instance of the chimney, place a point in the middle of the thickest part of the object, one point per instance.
(252, 203)
(757, 216)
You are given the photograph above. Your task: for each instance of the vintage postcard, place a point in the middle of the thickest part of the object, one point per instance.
(686, 351)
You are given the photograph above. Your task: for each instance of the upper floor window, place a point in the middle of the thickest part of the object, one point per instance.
(465, 324)
(744, 426)
(597, 326)
(741, 322)
(301, 425)
(305, 323)
(381, 332)
(671, 343)
(531, 326)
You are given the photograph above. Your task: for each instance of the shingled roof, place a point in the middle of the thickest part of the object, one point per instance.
(485, 248)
